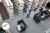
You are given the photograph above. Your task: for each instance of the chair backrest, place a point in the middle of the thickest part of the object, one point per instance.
(20, 21)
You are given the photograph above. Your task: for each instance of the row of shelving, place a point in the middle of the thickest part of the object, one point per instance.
(9, 7)
(21, 6)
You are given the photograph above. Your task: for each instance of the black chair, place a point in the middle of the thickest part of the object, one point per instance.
(41, 16)
(45, 15)
(48, 5)
(22, 25)
(36, 18)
